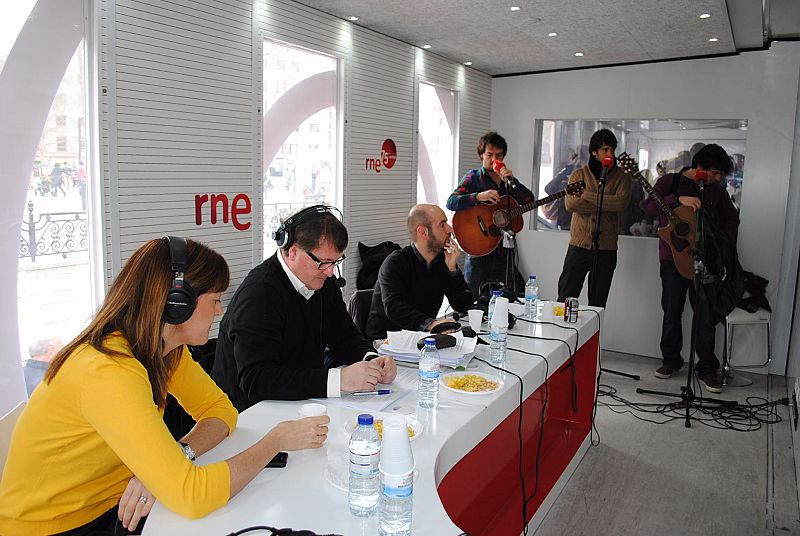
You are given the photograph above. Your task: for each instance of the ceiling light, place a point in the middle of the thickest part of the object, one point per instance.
(514, 8)
(713, 40)
(467, 63)
(579, 54)
(352, 19)
(705, 15)
(619, 124)
(552, 34)
(426, 46)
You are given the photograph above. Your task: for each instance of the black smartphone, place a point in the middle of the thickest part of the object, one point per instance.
(279, 460)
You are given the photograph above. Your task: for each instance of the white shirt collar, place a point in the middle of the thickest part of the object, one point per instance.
(296, 283)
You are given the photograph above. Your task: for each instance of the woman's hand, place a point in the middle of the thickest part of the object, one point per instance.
(307, 433)
(136, 503)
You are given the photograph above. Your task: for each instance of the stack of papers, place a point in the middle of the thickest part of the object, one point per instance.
(402, 345)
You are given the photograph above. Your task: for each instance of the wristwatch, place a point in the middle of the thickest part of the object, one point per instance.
(187, 450)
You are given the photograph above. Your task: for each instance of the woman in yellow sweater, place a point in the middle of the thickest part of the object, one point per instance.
(91, 453)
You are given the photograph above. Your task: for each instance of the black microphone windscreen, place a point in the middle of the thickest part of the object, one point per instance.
(341, 281)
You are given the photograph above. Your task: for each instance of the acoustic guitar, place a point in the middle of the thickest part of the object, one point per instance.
(680, 233)
(479, 229)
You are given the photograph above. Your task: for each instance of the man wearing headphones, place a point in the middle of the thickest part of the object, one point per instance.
(287, 311)
(413, 281)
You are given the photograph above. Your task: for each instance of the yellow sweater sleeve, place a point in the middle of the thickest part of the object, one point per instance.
(198, 395)
(117, 401)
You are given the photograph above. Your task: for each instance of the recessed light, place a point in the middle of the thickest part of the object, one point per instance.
(514, 8)
(426, 46)
(352, 19)
(552, 34)
(619, 125)
(713, 40)
(705, 15)
(467, 63)
(579, 54)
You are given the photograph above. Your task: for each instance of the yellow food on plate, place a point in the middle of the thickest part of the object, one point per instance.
(558, 310)
(471, 383)
(379, 427)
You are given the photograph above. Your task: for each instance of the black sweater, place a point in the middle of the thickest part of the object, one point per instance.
(408, 292)
(271, 339)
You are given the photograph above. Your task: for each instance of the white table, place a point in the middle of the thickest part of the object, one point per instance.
(467, 455)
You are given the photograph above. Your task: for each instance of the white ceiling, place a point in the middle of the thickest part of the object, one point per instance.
(498, 41)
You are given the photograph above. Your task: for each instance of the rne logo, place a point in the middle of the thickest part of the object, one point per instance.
(387, 159)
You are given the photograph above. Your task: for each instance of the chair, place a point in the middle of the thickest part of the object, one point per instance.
(7, 423)
(358, 307)
(739, 317)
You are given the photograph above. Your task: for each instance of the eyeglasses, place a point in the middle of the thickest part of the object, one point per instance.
(324, 265)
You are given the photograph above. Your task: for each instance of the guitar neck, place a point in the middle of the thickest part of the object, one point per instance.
(522, 209)
(666, 209)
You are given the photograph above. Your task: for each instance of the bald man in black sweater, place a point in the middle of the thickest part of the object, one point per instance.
(413, 281)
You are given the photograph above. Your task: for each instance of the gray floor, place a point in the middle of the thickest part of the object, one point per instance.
(649, 479)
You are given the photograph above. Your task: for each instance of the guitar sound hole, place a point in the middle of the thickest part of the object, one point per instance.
(683, 228)
(500, 218)
(679, 243)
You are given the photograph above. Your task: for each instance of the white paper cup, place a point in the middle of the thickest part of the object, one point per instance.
(547, 310)
(475, 319)
(500, 313)
(312, 410)
(396, 457)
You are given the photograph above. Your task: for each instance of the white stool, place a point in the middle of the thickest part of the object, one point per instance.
(739, 317)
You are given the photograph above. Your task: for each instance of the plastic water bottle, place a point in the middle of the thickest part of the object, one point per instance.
(495, 294)
(428, 396)
(531, 295)
(497, 342)
(396, 502)
(365, 481)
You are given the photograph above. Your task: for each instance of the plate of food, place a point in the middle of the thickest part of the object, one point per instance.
(414, 426)
(471, 383)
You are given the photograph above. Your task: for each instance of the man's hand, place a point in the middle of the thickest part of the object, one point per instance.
(452, 252)
(136, 503)
(690, 201)
(388, 368)
(505, 173)
(490, 197)
(306, 433)
(361, 376)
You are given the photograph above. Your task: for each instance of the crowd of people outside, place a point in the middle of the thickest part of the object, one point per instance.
(58, 179)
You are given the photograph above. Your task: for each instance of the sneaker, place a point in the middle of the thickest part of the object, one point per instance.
(665, 371)
(711, 381)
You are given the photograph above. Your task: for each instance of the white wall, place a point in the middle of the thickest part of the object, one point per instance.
(180, 117)
(761, 87)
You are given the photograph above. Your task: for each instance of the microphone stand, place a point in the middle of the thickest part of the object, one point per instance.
(601, 183)
(687, 395)
(510, 244)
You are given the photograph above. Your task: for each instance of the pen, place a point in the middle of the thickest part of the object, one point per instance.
(378, 392)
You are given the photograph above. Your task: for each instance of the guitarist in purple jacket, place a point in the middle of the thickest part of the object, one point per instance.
(681, 189)
(484, 185)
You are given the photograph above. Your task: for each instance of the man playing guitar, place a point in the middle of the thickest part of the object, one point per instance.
(676, 189)
(485, 185)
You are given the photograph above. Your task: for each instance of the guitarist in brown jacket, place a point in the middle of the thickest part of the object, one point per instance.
(676, 190)
(580, 258)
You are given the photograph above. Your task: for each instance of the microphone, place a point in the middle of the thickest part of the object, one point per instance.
(497, 165)
(700, 176)
(607, 163)
(340, 281)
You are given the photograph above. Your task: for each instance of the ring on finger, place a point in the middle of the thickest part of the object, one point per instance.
(143, 499)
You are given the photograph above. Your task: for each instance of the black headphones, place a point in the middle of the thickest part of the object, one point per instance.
(284, 234)
(181, 296)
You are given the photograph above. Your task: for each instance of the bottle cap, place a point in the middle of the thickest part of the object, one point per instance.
(496, 293)
(430, 341)
(531, 277)
(365, 419)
